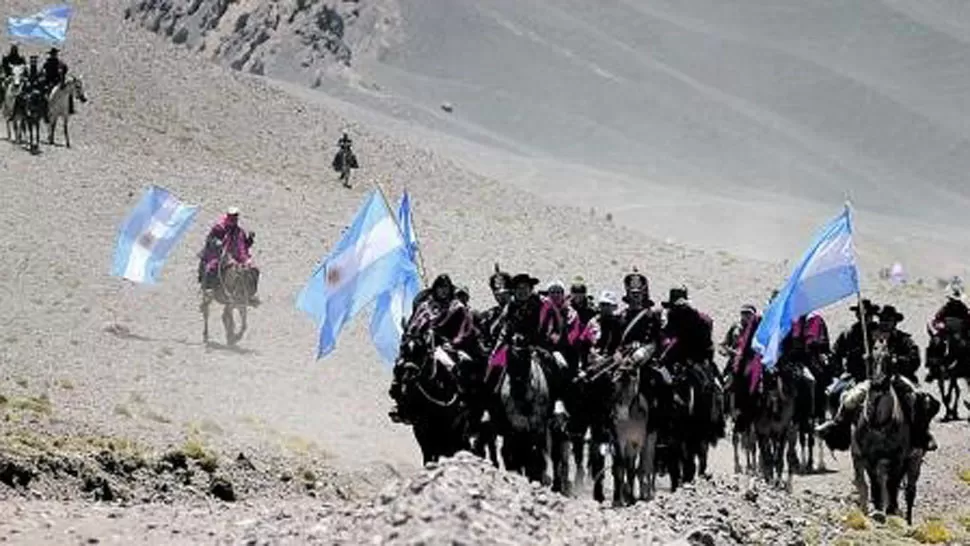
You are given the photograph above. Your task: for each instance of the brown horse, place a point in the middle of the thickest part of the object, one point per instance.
(234, 289)
(634, 444)
(775, 427)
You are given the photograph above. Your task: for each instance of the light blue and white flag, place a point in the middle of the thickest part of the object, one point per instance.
(149, 233)
(394, 307)
(369, 259)
(826, 274)
(48, 25)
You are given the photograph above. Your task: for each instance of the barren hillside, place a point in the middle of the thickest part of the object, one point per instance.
(106, 387)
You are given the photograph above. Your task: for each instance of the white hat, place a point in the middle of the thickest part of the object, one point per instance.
(556, 284)
(609, 297)
(232, 211)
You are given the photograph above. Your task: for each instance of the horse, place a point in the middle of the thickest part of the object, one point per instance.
(530, 430)
(881, 442)
(343, 162)
(59, 106)
(695, 423)
(588, 403)
(234, 287)
(29, 113)
(13, 87)
(634, 443)
(775, 428)
(954, 366)
(427, 390)
(744, 409)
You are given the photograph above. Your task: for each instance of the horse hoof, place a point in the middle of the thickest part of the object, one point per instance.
(878, 516)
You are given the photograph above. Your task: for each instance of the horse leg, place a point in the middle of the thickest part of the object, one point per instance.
(618, 467)
(204, 307)
(647, 453)
(913, 467)
(579, 445)
(597, 462)
(50, 131)
(859, 480)
(228, 323)
(67, 138)
(792, 458)
(735, 440)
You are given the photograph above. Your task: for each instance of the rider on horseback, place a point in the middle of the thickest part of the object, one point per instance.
(521, 320)
(227, 234)
(639, 324)
(55, 74)
(688, 340)
(955, 309)
(12, 59)
(905, 361)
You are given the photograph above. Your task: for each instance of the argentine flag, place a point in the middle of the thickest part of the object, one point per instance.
(149, 233)
(395, 306)
(826, 274)
(369, 259)
(48, 25)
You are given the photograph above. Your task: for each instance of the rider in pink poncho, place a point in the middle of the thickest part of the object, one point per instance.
(229, 235)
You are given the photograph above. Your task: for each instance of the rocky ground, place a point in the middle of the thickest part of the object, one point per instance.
(118, 425)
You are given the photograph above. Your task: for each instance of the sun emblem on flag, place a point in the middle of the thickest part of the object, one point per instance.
(147, 239)
(333, 275)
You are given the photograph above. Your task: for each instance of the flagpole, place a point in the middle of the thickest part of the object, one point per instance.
(397, 223)
(863, 317)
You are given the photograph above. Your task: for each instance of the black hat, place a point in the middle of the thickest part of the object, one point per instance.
(636, 282)
(524, 278)
(677, 296)
(442, 280)
(499, 281)
(578, 286)
(889, 312)
(871, 308)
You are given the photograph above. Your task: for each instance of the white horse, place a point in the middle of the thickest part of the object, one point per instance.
(13, 86)
(58, 105)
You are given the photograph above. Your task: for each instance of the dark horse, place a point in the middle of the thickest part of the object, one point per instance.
(686, 402)
(775, 426)
(954, 366)
(427, 392)
(882, 447)
(529, 427)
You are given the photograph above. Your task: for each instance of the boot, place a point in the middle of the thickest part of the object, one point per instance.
(836, 433)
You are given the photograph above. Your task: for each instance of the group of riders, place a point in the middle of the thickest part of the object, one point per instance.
(37, 79)
(570, 333)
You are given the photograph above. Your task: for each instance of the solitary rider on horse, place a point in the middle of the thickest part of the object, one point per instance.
(229, 235)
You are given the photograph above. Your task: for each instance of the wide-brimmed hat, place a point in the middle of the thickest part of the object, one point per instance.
(578, 286)
(676, 297)
(748, 308)
(232, 211)
(524, 278)
(889, 312)
(870, 308)
(53, 51)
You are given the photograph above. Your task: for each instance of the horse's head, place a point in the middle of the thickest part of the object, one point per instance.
(881, 360)
(77, 88)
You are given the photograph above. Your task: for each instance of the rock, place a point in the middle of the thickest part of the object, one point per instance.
(221, 488)
(447, 107)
